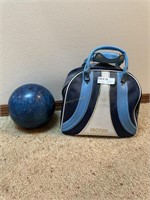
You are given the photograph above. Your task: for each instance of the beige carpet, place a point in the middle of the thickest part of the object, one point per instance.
(45, 165)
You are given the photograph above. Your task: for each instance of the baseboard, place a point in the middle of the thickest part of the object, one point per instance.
(5, 112)
(4, 108)
(145, 98)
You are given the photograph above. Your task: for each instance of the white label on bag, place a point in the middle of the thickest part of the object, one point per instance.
(105, 80)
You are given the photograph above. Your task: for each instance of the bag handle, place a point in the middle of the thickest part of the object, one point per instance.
(108, 57)
(90, 57)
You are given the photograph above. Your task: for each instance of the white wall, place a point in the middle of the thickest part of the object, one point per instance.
(43, 40)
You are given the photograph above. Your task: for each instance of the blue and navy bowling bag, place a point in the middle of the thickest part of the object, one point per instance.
(100, 97)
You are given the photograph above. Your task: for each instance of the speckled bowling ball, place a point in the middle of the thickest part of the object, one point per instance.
(31, 106)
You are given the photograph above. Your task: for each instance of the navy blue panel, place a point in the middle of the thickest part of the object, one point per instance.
(133, 97)
(83, 103)
(114, 112)
(70, 76)
(95, 92)
(73, 96)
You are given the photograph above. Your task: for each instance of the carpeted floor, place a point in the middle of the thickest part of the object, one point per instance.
(45, 165)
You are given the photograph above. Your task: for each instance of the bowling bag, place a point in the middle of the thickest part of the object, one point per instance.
(100, 98)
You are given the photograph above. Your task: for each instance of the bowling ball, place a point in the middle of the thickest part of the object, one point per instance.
(31, 106)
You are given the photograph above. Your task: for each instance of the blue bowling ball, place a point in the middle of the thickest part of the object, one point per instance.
(31, 106)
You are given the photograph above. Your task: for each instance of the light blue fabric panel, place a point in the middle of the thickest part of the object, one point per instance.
(83, 103)
(123, 107)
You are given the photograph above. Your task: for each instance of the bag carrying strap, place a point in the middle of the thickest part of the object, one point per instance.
(108, 59)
